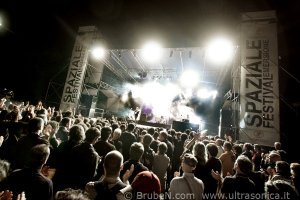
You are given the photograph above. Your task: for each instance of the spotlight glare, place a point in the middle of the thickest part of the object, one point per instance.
(189, 78)
(152, 51)
(98, 53)
(219, 51)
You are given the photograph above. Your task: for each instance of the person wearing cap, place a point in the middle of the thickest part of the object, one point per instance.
(187, 186)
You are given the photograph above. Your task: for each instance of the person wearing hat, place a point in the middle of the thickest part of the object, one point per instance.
(187, 186)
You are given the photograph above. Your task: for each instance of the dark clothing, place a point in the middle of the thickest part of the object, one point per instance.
(23, 149)
(170, 149)
(138, 167)
(118, 144)
(248, 154)
(256, 161)
(178, 150)
(62, 134)
(32, 182)
(296, 182)
(127, 139)
(210, 183)
(259, 178)
(62, 175)
(102, 148)
(147, 158)
(84, 161)
(53, 142)
(237, 184)
(154, 145)
(105, 192)
(199, 171)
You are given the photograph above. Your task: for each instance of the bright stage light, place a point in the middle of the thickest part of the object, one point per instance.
(152, 51)
(205, 94)
(219, 51)
(189, 78)
(98, 52)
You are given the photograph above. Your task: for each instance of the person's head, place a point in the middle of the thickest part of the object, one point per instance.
(36, 125)
(155, 135)
(38, 156)
(151, 131)
(212, 149)
(219, 142)
(71, 194)
(92, 135)
(189, 163)
(66, 122)
(105, 133)
(4, 169)
(136, 151)
(183, 137)
(162, 148)
(76, 134)
(147, 139)
(227, 146)
(52, 127)
(247, 147)
(146, 182)
(130, 127)
(163, 135)
(257, 148)
(243, 165)
(280, 189)
(113, 162)
(199, 151)
(237, 149)
(114, 126)
(295, 169)
(277, 146)
(283, 168)
(116, 134)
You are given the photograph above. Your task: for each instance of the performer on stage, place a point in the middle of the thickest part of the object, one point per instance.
(137, 113)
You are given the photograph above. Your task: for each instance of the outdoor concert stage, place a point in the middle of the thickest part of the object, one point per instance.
(176, 125)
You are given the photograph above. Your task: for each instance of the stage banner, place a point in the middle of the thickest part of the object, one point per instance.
(259, 88)
(77, 68)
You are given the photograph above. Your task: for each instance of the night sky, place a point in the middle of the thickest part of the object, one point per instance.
(37, 37)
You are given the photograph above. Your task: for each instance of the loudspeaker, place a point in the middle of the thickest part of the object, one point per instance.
(182, 126)
(229, 120)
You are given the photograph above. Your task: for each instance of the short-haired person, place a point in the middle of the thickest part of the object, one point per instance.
(30, 179)
(187, 186)
(239, 182)
(111, 184)
(136, 152)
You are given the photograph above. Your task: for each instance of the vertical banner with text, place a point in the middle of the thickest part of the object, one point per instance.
(259, 89)
(77, 68)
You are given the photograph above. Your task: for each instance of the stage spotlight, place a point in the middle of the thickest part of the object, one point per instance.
(98, 52)
(203, 94)
(152, 52)
(189, 78)
(220, 51)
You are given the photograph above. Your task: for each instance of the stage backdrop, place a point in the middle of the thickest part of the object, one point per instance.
(77, 68)
(259, 92)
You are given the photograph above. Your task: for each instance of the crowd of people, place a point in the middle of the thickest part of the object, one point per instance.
(48, 154)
